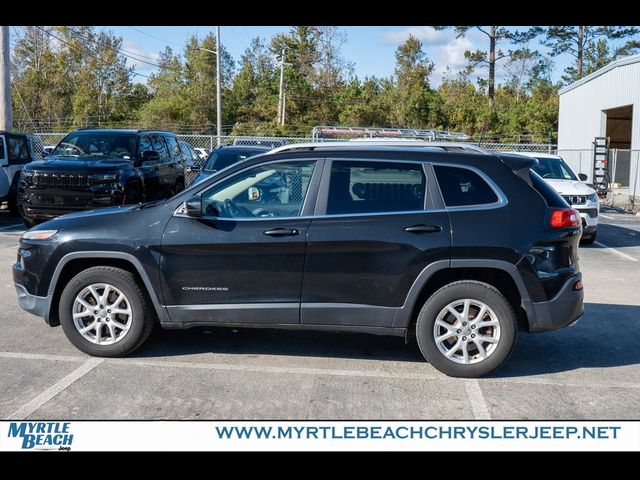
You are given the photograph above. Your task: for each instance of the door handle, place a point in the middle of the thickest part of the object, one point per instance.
(282, 232)
(423, 229)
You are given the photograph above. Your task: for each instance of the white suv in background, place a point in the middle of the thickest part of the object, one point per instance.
(571, 186)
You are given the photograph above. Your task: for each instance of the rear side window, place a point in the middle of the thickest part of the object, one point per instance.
(463, 187)
(375, 187)
(547, 192)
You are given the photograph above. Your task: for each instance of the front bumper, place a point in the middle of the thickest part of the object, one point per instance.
(562, 310)
(38, 306)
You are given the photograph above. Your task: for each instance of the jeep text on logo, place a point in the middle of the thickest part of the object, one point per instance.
(42, 434)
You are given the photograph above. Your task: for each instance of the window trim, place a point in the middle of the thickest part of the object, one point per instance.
(308, 204)
(502, 199)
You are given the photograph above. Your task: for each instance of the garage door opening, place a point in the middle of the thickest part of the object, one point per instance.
(619, 123)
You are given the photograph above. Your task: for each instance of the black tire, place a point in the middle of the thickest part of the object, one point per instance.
(467, 289)
(132, 196)
(179, 186)
(12, 200)
(588, 240)
(30, 222)
(142, 317)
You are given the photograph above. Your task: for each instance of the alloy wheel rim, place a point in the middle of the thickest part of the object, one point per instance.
(467, 331)
(102, 314)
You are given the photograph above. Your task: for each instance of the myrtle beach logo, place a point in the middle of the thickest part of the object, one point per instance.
(42, 435)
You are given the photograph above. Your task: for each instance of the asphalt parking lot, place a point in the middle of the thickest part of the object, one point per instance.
(589, 371)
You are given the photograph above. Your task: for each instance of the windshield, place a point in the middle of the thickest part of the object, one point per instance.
(554, 168)
(97, 144)
(223, 159)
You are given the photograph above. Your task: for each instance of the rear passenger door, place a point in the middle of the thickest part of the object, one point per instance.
(377, 226)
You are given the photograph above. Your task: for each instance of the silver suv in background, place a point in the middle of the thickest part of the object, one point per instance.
(580, 196)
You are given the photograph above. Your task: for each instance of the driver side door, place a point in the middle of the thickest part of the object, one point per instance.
(242, 262)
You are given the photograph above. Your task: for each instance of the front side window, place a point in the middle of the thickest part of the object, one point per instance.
(145, 144)
(463, 187)
(18, 151)
(272, 190)
(96, 144)
(159, 146)
(174, 149)
(1, 148)
(375, 187)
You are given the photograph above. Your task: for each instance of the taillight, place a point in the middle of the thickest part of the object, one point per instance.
(565, 218)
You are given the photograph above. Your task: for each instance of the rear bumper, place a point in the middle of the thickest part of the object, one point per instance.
(562, 310)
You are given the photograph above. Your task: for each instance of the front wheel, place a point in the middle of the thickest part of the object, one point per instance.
(104, 312)
(466, 329)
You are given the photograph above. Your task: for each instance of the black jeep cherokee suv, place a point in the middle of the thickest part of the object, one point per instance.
(94, 168)
(462, 249)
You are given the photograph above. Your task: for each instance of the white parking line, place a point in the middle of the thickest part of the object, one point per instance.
(7, 227)
(30, 407)
(41, 356)
(476, 399)
(617, 252)
(606, 216)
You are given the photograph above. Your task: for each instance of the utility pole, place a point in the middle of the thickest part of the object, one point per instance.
(218, 88)
(281, 93)
(284, 107)
(5, 80)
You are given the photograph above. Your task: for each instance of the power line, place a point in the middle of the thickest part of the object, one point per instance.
(91, 52)
(157, 38)
(117, 50)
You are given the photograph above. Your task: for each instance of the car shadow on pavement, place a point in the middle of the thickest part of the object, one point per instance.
(616, 236)
(599, 340)
(603, 338)
(249, 341)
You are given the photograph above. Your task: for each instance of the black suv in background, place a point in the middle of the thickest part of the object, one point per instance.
(99, 168)
(460, 249)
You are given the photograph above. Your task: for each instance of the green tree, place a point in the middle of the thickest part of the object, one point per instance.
(583, 43)
(490, 57)
(409, 100)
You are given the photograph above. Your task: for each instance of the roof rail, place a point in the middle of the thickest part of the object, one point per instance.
(354, 144)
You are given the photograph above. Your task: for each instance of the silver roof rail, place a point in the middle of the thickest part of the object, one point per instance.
(380, 144)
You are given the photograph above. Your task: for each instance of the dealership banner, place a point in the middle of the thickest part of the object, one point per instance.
(318, 435)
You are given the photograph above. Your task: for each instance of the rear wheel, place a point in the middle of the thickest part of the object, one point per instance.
(104, 312)
(588, 240)
(179, 186)
(466, 329)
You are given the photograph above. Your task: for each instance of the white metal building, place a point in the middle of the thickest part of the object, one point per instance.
(605, 103)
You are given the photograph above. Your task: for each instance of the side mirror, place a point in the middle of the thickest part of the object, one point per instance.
(253, 194)
(583, 177)
(193, 168)
(150, 156)
(193, 206)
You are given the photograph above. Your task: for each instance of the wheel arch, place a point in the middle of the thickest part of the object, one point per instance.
(73, 263)
(501, 274)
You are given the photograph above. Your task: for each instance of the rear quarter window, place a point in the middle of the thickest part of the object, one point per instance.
(463, 187)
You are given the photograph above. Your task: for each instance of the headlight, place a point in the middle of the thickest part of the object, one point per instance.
(103, 177)
(593, 197)
(38, 234)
